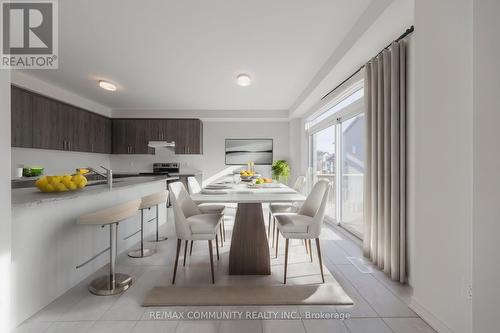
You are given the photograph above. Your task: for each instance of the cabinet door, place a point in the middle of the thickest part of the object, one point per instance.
(80, 136)
(121, 135)
(21, 118)
(141, 137)
(187, 134)
(100, 134)
(52, 124)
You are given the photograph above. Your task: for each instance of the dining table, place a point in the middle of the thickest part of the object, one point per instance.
(249, 250)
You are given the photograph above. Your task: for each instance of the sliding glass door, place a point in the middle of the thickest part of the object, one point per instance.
(352, 170)
(337, 154)
(324, 163)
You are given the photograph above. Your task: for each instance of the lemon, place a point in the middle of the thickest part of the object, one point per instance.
(41, 182)
(60, 187)
(66, 178)
(78, 178)
(55, 180)
(48, 188)
(81, 184)
(71, 186)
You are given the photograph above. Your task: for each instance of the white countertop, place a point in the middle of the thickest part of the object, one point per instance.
(26, 197)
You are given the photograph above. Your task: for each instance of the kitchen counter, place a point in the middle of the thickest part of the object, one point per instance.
(25, 197)
(48, 245)
(185, 171)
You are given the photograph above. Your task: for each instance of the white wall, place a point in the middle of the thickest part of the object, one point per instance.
(486, 230)
(56, 162)
(443, 163)
(5, 201)
(212, 162)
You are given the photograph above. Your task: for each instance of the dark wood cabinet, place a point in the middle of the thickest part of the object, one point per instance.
(130, 136)
(100, 134)
(42, 122)
(21, 118)
(52, 125)
(187, 134)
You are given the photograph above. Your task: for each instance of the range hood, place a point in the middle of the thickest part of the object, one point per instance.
(161, 144)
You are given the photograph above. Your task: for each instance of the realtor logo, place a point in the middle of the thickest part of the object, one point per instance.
(29, 35)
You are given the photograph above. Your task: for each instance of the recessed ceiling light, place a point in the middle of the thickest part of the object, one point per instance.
(243, 80)
(107, 85)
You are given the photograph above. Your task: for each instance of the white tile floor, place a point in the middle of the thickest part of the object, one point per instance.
(380, 305)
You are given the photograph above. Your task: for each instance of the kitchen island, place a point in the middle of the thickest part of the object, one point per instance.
(48, 245)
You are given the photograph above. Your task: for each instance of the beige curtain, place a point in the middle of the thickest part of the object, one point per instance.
(384, 239)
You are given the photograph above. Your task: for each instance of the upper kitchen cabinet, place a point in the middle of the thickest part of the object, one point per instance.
(52, 124)
(100, 134)
(130, 136)
(21, 118)
(45, 123)
(187, 134)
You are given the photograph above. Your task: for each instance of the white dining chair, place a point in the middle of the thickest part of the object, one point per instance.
(192, 224)
(280, 208)
(194, 187)
(306, 224)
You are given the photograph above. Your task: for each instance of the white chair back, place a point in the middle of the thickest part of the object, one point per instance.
(193, 185)
(184, 207)
(299, 183)
(315, 206)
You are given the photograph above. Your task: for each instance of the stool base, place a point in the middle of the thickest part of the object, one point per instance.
(138, 254)
(101, 286)
(160, 239)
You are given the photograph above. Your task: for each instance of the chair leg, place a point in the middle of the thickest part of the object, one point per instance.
(305, 244)
(274, 228)
(320, 260)
(179, 242)
(191, 249)
(185, 252)
(277, 238)
(286, 259)
(217, 248)
(310, 250)
(269, 226)
(223, 228)
(211, 259)
(221, 235)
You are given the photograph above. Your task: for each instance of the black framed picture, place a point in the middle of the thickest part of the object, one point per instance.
(242, 151)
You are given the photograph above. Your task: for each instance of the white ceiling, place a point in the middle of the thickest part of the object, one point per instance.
(185, 55)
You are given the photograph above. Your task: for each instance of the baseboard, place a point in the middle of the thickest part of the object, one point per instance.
(428, 317)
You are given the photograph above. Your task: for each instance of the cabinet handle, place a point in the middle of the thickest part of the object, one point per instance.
(69, 145)
(92, 147)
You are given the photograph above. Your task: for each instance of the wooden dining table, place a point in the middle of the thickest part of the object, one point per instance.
(249, 251)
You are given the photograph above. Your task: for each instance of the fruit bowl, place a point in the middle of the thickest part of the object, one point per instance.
(64, 183)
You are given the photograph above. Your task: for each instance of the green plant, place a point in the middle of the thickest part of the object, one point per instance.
(281, 170)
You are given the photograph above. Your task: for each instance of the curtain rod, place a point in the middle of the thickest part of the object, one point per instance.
(406, 33)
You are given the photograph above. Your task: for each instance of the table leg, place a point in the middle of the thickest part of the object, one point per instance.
(249, 253)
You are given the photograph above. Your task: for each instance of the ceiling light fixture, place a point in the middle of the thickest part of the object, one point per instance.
(243, 80)
(106, 85)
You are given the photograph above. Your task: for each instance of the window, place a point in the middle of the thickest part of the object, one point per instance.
(337, 149)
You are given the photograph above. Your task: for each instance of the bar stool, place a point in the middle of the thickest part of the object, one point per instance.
(112, 283)
(148, 202)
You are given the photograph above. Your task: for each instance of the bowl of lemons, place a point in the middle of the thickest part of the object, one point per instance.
(62, 183)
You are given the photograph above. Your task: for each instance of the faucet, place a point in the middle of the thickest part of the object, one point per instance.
(108, 175)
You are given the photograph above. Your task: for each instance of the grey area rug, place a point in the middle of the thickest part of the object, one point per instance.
(317, 294)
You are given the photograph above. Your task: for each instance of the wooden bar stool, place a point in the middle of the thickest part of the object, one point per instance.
(148, 202)
(112, 283)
